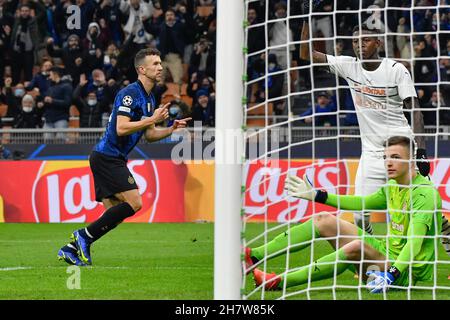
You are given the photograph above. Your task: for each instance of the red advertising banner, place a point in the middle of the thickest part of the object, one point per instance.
(63, 191)
(265, 193)
(266, 199)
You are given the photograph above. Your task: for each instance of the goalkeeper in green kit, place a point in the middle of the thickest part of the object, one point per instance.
(406, 255)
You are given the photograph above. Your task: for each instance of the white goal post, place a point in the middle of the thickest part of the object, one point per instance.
(228, 174)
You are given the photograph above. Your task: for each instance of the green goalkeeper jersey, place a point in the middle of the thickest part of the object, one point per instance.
(415, 220)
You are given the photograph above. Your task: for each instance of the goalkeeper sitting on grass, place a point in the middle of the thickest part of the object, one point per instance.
(413, 204)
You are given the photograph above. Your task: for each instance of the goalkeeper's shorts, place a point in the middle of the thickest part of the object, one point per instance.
(380, 245)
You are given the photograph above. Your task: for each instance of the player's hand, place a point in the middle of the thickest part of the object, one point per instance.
(161, 113)
(422, 162)
(300, 188)
(179, 124)
(381, 281)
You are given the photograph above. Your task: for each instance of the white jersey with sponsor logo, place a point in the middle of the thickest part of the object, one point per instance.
(378, 97)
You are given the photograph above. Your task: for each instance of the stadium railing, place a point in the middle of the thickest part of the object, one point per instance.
(92, 135)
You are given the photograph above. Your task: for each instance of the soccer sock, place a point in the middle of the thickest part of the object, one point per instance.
(298, 234)
(109, 220)
(362, 220)
(319, 271)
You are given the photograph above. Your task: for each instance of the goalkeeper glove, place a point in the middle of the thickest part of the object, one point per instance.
(302, 188)
(382, 280)
(422, 162)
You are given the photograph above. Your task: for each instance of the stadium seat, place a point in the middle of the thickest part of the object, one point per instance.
(3, 110)
(185, 78)
(188, 100)
(259, 111)
(74, 117)
(205, 11)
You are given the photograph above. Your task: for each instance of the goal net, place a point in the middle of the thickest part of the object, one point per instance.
(302, 117)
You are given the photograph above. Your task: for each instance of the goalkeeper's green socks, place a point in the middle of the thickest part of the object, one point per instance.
(301, 236)
(319, 271)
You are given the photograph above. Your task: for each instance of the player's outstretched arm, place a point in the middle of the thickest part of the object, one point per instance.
(302, 188)
(318, 57)
(154, 133)
(126, 127)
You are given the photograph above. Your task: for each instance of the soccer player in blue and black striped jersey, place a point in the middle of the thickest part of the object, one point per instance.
(134, 114)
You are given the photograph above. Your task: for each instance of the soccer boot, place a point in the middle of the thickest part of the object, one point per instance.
(70, 256)
(83, 244)
(249, 261)
(270, 280)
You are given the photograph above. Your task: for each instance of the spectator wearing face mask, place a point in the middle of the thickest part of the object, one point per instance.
(29, 117)
(13, 98)
(72, 56)
(41, 82)
(104, 91)
(177, 110)
(88, 107)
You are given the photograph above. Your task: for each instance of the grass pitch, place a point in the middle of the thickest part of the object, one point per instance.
(153, 261)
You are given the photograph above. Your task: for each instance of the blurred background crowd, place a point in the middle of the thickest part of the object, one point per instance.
(53, 76)
(428, 48)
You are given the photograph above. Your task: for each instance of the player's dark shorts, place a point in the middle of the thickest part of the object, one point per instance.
(111, 175)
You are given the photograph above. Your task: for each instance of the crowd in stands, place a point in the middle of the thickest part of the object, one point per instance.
(429, 51)
(56, 76)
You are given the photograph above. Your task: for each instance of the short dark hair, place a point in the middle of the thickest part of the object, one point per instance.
(399, 140)
(140, 56)
(280, 5)
(365, 27)
(59, 71)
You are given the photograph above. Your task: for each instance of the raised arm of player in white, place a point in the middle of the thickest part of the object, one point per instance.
(407, 93)
(318, 57)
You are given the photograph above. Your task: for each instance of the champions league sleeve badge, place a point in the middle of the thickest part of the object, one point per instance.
(127, 101)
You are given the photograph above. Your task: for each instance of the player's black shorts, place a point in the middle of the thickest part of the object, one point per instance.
(111, 175)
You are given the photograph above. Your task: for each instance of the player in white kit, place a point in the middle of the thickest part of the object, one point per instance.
(380, 89)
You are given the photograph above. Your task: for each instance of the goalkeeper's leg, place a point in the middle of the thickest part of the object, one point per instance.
(325, 267)
(301, 236)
